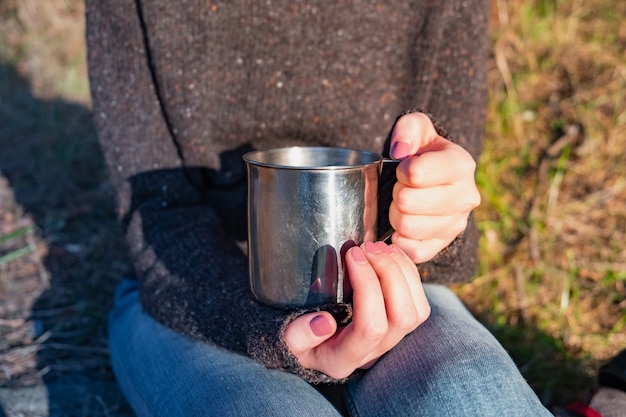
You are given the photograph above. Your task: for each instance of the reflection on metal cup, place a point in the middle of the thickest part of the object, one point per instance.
(306, 207)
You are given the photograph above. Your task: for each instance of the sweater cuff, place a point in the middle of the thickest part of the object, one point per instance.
(273, 352)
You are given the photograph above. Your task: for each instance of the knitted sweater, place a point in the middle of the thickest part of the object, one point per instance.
(182, 89)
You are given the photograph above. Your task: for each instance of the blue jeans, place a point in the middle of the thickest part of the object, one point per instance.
(450, 366)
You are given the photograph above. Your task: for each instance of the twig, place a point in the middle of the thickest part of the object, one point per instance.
(484, 279)
(16, 254)
(53, 312)
(22, 350)
(521, 293)
(13, 323)
(503, 12)
(77, 348)
(22, 231)
(103, 405)
(574, 19)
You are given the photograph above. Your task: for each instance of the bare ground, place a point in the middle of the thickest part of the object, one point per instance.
(61, 253)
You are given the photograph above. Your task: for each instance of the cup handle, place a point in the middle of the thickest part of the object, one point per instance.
(387, 235)
(386, 181)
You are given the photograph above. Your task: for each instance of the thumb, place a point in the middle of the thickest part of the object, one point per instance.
(309, 331)
(411, 133)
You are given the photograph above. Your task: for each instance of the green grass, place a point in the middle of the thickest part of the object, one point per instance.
(552, 283)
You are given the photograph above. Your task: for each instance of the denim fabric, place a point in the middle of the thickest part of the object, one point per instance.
(450, 366)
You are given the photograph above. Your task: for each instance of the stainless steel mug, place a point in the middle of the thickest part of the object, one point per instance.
(306, 207)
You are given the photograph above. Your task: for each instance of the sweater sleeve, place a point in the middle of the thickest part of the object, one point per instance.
(194, 279)
(183, 234)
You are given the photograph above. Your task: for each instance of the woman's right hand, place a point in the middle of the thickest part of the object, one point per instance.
(389, 302)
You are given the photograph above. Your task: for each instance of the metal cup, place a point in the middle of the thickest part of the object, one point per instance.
(306, 207)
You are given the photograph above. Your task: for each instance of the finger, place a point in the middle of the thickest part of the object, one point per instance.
(369, 323)
(436, 201)
(414, 283)
(448, 164)
(399, 308)
(308, 331)
(399, 303)
(420, 251)
(397, 276)
(412, 133)
(420, 227)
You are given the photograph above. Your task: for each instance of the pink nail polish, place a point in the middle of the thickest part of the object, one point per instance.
(372, 248)
(358, 255)
(321, 326)
(396, 249)
(383, 246)
(400, 150)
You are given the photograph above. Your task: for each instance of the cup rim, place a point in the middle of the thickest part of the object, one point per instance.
(354, 158)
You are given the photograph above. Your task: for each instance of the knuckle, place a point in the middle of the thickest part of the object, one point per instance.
(339, 373)
(419, 117)
(374, 332)
(460, 226)
(477, 198)
(402, 199)
(465, 164)
(468, 164)
(404, 226)
(407, 321)
(424, 313)
(415, 254)
(470, 197)
(474, 199)
(416, 171)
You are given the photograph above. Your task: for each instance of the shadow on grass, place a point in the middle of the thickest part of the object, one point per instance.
(50, 156)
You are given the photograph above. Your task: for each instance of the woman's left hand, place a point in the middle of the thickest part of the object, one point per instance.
(435, 191)
(389, 303)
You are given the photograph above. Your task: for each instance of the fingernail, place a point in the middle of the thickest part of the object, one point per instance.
(358, 255)
(400, 150)
(383, 246)
(397, 249)
(321, 326)
(372, 248)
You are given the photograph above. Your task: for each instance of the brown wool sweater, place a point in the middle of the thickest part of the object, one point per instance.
(182, 89)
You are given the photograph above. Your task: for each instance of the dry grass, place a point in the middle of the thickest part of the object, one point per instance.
(44, 41)
(553, 275)
(553, 278)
